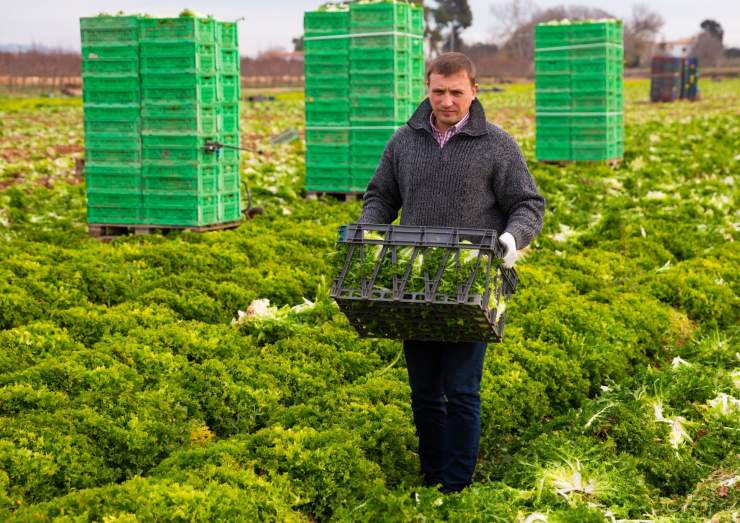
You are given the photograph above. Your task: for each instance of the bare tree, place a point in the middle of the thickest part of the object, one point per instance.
(708, 49)
(640, 33)
(520, 45)
(510, 16)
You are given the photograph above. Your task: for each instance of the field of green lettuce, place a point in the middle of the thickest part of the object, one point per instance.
(132, 389)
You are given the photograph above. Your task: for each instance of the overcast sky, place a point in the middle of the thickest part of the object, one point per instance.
(273, 23)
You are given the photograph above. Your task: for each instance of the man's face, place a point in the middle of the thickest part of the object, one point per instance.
(450, 97)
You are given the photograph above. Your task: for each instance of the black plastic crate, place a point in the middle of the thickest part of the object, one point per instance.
(423, 283)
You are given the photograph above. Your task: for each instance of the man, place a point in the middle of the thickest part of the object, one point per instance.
(449, 167)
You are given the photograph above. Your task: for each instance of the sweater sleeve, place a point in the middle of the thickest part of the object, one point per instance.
(516, 192)
(382, 198)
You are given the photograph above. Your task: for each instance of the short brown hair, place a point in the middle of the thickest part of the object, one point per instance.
(448, 64)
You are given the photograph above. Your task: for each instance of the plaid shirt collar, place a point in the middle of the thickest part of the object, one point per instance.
(444, 137)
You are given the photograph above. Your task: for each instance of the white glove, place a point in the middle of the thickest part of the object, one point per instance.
(509, 244)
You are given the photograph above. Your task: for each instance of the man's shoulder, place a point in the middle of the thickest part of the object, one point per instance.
(497, 134)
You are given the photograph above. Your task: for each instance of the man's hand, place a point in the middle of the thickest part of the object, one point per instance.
(509, 244)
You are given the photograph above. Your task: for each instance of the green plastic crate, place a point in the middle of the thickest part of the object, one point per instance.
(553, 152)
(184, 170)
(229, 206)
(584, 33)
(93, 96)
(599, 102)
(180, 117)
(596, 83)
(605, 51)
(115, 215)
(416, 19)
(110, 83)
(229, 154)
(203, 92)
(113, 176)
(553, 101)
(602, 150)
(370, 137)
(229, 88)
(329, 179)
(178, 57)
(327, 112)
(324, 23)
(227, 34)
(101, 66)
(597, 66)
(104, 156)
(113, 182)
(554, 125)
(205, 213)
(114, 197)
(156, 199)
(109, 29)
(379, 17)
(379, 61)
(121, 119)
(329, 46)
(229, 61)
(179, 154)
(178, 29)
(314, 91)
(327, 136)
(378, 110)
(552, 66)
(115, 51)
(327, 153)
(552, 82)
(230, 118)
(395, 41)
(330, 63)
(203, 184)
(113, 141)
(230, 178)
(193, 141)
(547, 35)
(396, 85)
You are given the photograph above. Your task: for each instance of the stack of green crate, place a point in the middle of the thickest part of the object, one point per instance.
(157, 91)
(579, 78)
(364, 70)
(184, 69)
(228, 80)
(386, 79)
(111, 97)
(326, 55)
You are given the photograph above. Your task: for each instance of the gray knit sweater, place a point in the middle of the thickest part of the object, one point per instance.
(478, 179)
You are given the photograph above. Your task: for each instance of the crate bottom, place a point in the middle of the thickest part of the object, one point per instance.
(419, 320)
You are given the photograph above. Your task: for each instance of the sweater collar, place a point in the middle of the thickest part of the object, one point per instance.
(476, 125)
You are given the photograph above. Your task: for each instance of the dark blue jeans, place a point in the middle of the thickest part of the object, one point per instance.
(445, 398)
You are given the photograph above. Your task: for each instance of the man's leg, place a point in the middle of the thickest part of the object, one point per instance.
(424, 364)
(463, 369)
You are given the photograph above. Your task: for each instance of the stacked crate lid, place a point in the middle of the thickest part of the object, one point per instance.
(364, 70)
(112, 98)
(326, 55)
(385, 57)
(579, 78)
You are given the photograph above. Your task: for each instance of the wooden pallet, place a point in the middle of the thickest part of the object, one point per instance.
(563, 163)
(341, 196)
(109, 231)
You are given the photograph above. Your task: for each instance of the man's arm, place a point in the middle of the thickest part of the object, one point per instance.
(382, 198)
(516, 192)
